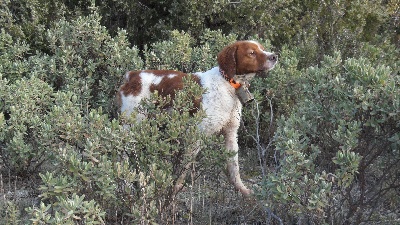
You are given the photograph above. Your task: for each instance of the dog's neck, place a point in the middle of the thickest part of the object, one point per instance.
(231, 81)
(244, 78)
(241, 85)
(237, 80)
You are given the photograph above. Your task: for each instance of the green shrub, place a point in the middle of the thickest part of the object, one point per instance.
(340, 125)
(71, 210)
(180, 52)
(12, 57)
(325, 125)
(27, 20)
(54, 121)
(25, 138)
(9, 212)
(86, 60)
(127, 172)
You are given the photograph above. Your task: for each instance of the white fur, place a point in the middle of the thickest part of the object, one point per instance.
(220, 102)
(130, 102)
(223, 112)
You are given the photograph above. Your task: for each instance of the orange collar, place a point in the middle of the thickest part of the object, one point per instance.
(234, 84)
(231, 81)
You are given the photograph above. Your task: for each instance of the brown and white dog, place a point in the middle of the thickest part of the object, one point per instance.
(220, 101)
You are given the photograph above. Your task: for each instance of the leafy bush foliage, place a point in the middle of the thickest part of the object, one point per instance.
(68, 211)
(12, 63)
(178, 53)
(84, 57)
(343, 125)
(24, 137)
(98, 162)
(128, 172)
(324, 123)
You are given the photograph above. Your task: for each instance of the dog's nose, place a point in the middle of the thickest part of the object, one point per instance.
(273, 58)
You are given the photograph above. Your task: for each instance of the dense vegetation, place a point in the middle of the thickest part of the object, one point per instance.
(320, 145)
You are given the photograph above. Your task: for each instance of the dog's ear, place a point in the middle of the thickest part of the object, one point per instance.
(227, 60)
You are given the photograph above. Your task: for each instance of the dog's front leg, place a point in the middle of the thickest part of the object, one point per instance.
(233, 163)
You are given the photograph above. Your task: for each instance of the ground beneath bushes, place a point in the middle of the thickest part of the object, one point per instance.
(20, 191)
(209, 199)
(212, 201)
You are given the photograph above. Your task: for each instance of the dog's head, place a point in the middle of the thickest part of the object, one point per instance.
(245, 57)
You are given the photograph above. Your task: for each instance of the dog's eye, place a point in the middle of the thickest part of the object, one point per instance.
(252, 53)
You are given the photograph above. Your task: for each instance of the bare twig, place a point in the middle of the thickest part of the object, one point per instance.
(257, 140)
(262, 151)
(191, 193)
(271, 120)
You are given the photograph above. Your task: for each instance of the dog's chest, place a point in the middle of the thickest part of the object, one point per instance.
(220, 103)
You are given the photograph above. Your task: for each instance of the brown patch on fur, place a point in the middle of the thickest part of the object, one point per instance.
(227, 60)
(167, 86)
(242, 57)
(133, 84)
